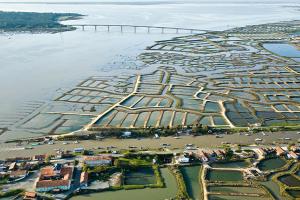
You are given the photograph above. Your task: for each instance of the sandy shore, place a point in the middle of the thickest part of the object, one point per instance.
(207, 141)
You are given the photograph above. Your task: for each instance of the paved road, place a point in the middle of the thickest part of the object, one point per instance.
(205, 141)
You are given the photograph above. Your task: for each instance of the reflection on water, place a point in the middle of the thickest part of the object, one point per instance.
(42, 66)
(273, 188)
(283, 49)
(191, 179)
(146, 194)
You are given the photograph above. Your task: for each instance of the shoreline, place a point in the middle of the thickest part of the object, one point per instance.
(205, 141)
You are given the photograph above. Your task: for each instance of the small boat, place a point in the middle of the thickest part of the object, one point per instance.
(225, 142)
(189, 145)
(258, 139)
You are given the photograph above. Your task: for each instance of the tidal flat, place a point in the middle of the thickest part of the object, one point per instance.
(49, 67)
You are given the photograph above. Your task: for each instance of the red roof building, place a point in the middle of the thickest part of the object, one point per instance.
(51, 179)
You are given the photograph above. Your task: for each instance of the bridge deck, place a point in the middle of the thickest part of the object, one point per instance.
(122, 26)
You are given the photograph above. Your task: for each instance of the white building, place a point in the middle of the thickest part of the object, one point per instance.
(182, 159)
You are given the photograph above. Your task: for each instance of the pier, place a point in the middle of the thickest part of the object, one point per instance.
(135, 28)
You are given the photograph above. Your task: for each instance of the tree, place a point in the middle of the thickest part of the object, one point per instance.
(76, 162)
(117, 163)
(228, 153)
(84, 168)
(239, 148)
(47, 159)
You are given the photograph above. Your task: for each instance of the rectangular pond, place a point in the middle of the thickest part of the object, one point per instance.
(223, 197)
(146, 194)
(191, 179)
(290, 180)
(271, 164)
(233, 164)
(294, 193)
(224, 175)
(236, 189)
(140, 176)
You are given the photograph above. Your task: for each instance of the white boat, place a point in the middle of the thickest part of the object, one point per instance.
(258, 139)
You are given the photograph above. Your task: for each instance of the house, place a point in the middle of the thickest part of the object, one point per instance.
(18, 159)
(211, 153)
(201, 155)
(279, 151)
(261, 152)
(83, 180)
(30, 196)
(293, 155)
(78, 150)
(39, 157)
(29, 166)
(93, 161)
(12, 166)
(56, 177)
(64, 154)
(182, 159)
(18, 174)
(220, 153)
(294, 148)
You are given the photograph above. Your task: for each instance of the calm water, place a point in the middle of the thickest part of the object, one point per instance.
(238, 164)
(220, 175)
(38, 67)
(222, 197)
(144, 194)
(270, 164)
(141, 176)
(235, 189)
(273, 188)
(294, 193)
(297, 59)
(191, 179)
(283, 49)
(290, 181)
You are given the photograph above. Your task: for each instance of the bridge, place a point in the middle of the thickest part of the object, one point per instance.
(122, 28)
